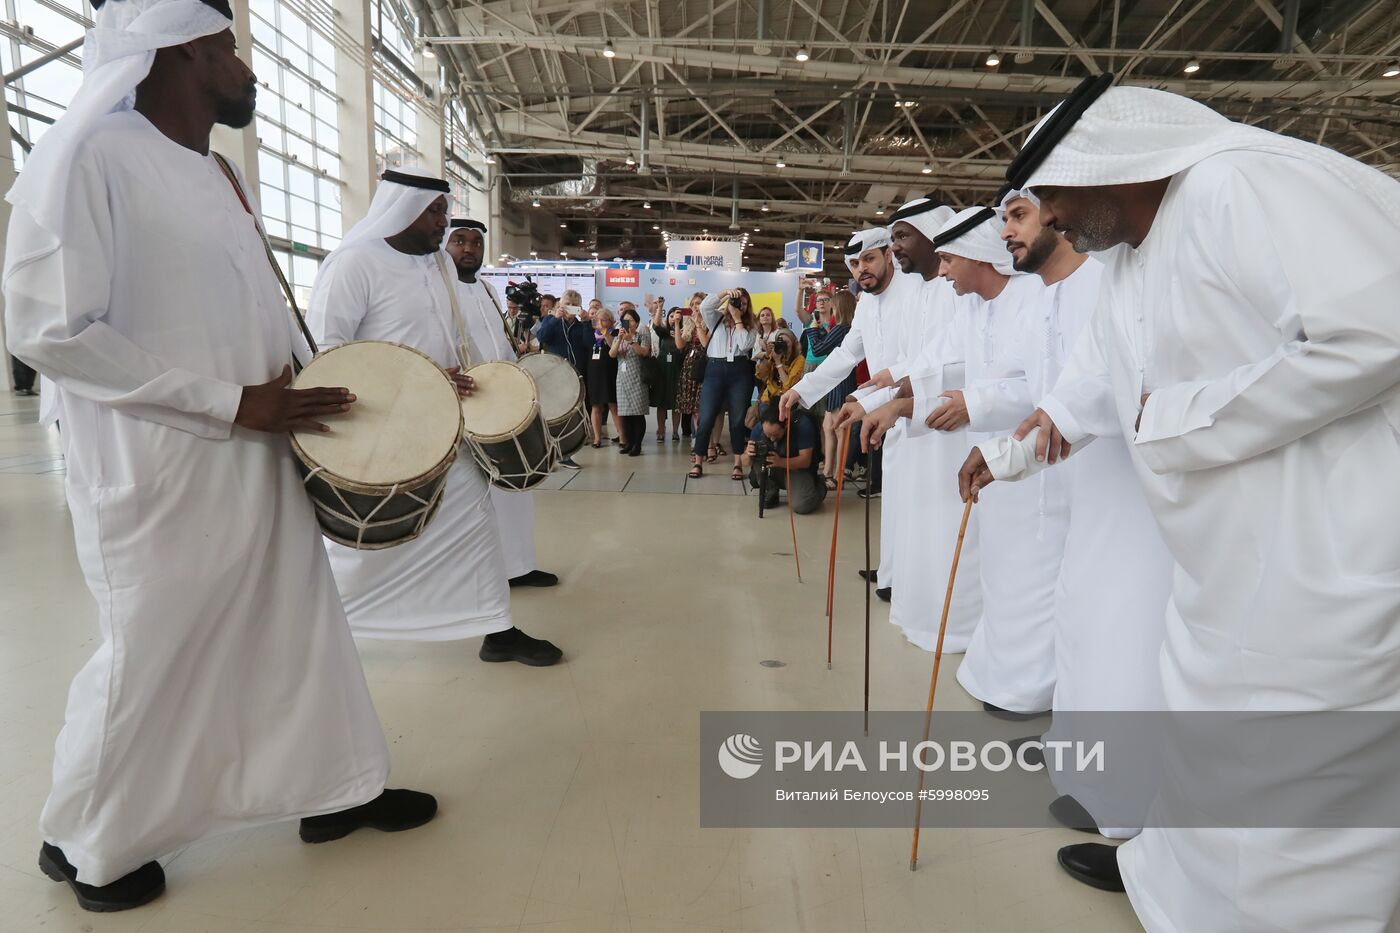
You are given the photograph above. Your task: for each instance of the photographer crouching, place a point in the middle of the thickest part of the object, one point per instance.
(769, 446)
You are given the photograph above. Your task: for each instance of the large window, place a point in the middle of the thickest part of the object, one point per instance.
(297, 123)
(33, 28)
(395, 114)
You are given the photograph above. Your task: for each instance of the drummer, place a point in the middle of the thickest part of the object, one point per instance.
(389, 280)
(515, 511)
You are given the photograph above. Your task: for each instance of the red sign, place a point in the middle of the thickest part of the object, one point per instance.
(623, 278)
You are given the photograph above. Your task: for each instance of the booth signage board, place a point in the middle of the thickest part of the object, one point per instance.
(706, 254)
(804, 256)
(774, 290)
(554, 281)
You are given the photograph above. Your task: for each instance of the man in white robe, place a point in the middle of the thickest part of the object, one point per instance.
(1247, 327)
(489, 332)
(1111, 600)
(926, 520)
(1010, 663)
(226, 691)
(389, 280)
(874, 338)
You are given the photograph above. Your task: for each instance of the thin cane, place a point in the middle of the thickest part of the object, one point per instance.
(792, 522)
(869, 487)
(933, 681)
(835, 527)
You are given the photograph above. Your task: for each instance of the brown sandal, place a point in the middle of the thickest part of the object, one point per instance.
(738, 474)
(696, 471)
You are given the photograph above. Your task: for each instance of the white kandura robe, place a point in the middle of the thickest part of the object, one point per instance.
(226, 691)
(450, 582)
(1268, 451)
(930, 509)
(1111, 600)
(1010, 661)
(873, 337)
(515, 511)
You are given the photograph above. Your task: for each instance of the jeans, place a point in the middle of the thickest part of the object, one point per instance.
(724, 381)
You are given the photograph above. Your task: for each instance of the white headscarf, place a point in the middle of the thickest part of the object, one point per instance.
(982, 243)
(862, 240)
(392, 210)
(927, 222)
(1135, 134)
(117, 56)
(1013, 195)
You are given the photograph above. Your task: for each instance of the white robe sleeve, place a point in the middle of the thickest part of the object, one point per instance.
(1012, 460)
(1338, 351)
(940, 366)
(837, 365)
(339, 303)
(56, 304)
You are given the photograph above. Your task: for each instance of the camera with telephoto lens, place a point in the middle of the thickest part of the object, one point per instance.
(526, 296)
(761, 449)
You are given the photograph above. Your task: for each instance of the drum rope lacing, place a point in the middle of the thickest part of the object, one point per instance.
(367, 523)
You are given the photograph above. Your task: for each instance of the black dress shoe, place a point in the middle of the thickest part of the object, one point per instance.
(874, 575)
(1070, 812)
(1008, 715)
(535, 578)
(132, 890)
(1033, 756)
(515, 645)
(1093, 863)
(867, 494)
(886, 593)
(391, 812)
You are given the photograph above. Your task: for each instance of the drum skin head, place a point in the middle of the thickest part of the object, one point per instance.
(561, 390)
(404, 423)
(505, 401)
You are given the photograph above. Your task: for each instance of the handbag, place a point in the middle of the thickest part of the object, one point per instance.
(696, 364)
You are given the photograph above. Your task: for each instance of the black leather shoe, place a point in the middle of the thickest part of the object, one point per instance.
(391, 812)
(1008, 715)
(886, 593)
(515, 645)
(1093, 863)
(874, 575)
(132, 890)
(535, 578)
(1033, 756)
(867, 494)
(1070, 812)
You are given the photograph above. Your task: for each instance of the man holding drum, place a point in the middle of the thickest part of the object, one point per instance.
(389, 280)
(226, 691)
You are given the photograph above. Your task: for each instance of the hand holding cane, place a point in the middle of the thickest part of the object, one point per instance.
(933, 681)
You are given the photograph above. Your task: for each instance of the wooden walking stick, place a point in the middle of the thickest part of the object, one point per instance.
(869, 488)
(792, 522)
(933, 681)
(835, 527)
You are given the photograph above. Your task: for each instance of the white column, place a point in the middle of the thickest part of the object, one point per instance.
(355, 85)
(432, 138)
(7, 178)
(241, 146)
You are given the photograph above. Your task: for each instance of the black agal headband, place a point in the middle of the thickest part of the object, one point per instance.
(972, 223)
(1043, 142)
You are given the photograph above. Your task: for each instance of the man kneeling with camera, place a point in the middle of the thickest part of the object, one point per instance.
(767, 461)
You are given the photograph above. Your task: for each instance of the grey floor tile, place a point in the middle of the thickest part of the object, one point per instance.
(657, 482)
(599, 480)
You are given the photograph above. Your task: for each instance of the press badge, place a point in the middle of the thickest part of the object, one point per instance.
(597, 353)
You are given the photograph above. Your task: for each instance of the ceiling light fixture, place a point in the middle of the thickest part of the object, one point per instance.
(781, 164)
(428, 52)
(926, 170)
(608, 50)
(764, 208)
(802, 54)
(535, 202)
(993, 59)
(1392, 70)
(630, 161)
(646, 205)
(1192, 67)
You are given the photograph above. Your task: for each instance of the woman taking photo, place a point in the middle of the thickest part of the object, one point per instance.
(729, 319)
(669, 355)
(631, 345)
(602, 376)
(836, 327)
(780, 368)
(691, 341)
(767, 327)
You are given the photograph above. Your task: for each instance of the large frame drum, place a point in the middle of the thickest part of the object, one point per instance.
(504, 429)
(376, 477)
(561, 399)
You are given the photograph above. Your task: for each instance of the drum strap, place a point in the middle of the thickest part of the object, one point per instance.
(272, 259)
(464, 355)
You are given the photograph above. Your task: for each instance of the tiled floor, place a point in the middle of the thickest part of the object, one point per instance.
(568, 793)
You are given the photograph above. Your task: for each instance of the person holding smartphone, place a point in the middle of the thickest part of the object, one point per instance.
(631, 345)
(729, 319)
(602, 376)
